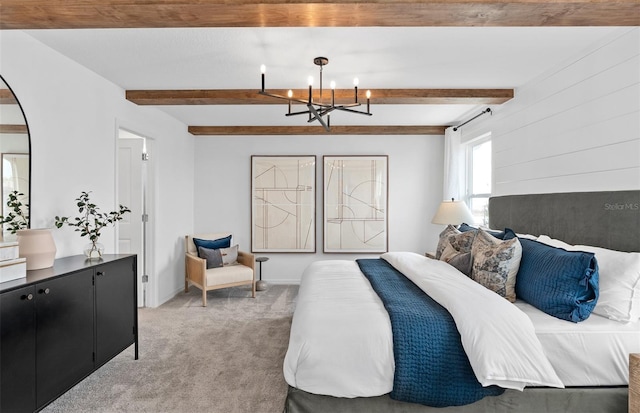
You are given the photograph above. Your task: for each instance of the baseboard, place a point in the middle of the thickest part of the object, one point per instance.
(283, 282)
(162, 300)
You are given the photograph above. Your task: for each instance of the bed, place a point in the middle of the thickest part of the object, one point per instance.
(341, 352)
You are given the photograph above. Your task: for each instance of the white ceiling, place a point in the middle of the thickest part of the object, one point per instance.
(230, 58)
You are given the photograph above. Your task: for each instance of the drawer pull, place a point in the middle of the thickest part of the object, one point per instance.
(99, 273)
(28, 297)
(45, 291)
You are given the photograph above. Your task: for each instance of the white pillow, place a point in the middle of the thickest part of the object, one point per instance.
(229, 255)
(527, 236)
(619, 280)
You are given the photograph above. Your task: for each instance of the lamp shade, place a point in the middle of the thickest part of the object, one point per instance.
(453, 212)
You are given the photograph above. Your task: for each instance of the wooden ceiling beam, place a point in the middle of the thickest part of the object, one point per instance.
(378, 96)
(77, 14)
(7, 98)
(4, 128)
(316, 130)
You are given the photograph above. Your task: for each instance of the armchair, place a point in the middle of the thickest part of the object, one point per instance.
(197, 274)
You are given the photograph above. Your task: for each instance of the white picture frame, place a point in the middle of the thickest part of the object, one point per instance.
(283, 203)
(355, 204)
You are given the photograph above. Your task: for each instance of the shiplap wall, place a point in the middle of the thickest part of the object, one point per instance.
(574, 128)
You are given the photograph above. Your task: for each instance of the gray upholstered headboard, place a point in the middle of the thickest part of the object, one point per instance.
(608, 219)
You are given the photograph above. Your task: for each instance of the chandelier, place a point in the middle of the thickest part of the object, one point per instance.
(319, 110)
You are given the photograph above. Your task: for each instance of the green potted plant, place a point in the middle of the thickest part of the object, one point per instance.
(18, 216)
(90, 222)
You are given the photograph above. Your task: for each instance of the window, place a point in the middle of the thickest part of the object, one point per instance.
(479, 178)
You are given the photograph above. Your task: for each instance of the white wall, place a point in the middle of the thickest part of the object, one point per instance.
(73, 116)
(574, 128)
(223, 194)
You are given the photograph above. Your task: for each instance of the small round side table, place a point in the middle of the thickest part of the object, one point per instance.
(261, 285)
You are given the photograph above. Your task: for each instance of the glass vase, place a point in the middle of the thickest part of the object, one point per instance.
(94, 250)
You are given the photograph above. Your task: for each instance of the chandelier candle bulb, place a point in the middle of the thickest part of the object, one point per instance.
(263, 69)
(355, 85)
(333, 93)
(368, 98)
(290, 95)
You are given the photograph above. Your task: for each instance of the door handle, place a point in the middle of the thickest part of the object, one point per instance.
(44, 291)
(27, 297)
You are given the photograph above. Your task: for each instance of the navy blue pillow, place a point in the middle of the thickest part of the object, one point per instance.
(212, 244)
(561, 283)
(464, 227)
(505, 235)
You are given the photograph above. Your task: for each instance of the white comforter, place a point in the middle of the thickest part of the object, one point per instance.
(341, 343)
(499, 339)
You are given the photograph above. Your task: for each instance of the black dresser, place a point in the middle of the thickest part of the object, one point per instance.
(60, 324)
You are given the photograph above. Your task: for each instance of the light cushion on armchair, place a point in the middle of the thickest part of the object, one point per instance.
(229, 274)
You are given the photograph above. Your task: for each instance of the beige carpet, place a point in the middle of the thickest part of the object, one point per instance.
(224, 358)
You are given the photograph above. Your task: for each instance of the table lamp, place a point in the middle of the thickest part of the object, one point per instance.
(453, 212)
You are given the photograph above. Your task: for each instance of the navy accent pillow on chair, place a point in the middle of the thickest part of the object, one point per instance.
(561, 283)
(212, 244)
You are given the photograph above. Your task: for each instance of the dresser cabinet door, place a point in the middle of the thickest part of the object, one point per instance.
(64, 349)
(115, 308)
(17, 349)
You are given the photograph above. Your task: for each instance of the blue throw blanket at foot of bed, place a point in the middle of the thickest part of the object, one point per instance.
(431, 365)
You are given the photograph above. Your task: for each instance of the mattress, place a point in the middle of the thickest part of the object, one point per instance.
(341, 342)
(594, 352)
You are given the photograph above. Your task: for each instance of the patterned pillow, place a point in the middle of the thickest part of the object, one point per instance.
(496, 263)
(460, 260)
(442, 242)
(229, 255)
(213, 257)
(461, 242)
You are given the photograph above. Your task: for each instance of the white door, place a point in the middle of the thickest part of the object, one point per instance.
(131, 192)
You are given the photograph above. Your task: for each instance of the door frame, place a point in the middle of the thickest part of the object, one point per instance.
(150, 185)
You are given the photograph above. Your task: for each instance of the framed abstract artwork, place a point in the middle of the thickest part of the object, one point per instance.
(283, 203)
(355, 204)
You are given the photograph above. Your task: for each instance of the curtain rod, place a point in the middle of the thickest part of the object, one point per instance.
(487, 110)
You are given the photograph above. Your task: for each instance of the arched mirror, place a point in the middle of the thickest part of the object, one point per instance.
(15, 148)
